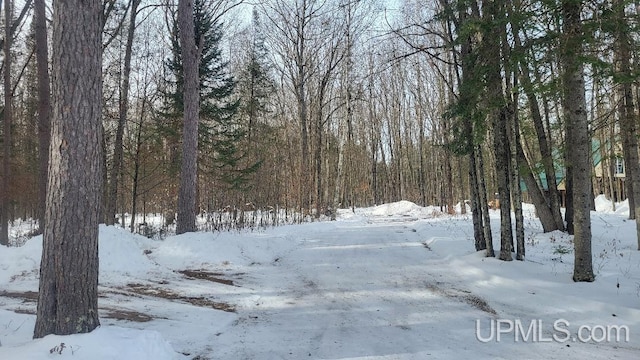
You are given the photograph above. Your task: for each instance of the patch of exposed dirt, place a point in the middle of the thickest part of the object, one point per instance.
(201, 301)
(127, 315)
(135, 290)
(462, 295)
(26, 296)
(111, 291)
(24, 311)
(210, 276)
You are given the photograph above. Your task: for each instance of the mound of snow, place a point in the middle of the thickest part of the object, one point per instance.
(197, 250)
(206, 249)
(606, 206)
(603, 204)
(104, 343)
(123, 253)
(20, 261)
(397, 208)
(622, 208)
(120, 253)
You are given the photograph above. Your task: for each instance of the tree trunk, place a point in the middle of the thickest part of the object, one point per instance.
(579, 141)
(44, 105)
(318, 158)
(476, 209)
(68, 296)
(498, 112)
(628, 117)
(118, 151)
(186, 221)
(611, 167)
(300, 85)
(545, 152)
(539, 201)
(7, 114)
(136, 165)
(501, 148)
(448, 176)
(421, 139)
(484, 206)
(516, 190)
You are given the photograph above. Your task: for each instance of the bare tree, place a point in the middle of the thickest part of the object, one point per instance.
(7, 115)
(68, 295)
(293, 23)
(118, 151)
(44, 103)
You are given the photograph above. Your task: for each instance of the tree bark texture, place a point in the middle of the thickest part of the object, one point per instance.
(498, 113)
(68, 296)
(501, 148)
(579, 145)
(516, 190)
(476, 209)
(484, 206)
(186, 221)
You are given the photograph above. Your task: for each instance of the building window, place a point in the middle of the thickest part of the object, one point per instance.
(619, 166)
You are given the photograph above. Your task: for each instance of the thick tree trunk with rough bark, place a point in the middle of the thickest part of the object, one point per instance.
(579, 143)
(68, 296)
(186, 221)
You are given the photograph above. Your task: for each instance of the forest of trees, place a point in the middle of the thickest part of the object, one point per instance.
(311, 105)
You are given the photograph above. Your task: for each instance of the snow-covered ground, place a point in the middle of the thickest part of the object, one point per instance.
(395, 281)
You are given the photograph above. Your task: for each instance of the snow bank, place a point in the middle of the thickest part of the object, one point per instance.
(196, 250)
(400, 208)
(123, 253)
(23, 261)
(104, 343)
(203, 250)
(605, 205)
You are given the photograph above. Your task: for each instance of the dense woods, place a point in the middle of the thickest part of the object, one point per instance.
(224, 106)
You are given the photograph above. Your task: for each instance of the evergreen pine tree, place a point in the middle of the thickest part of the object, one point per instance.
(219, 130)
(254, 84)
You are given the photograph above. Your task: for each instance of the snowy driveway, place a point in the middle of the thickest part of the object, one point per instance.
(372, 291)
(353, 292)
